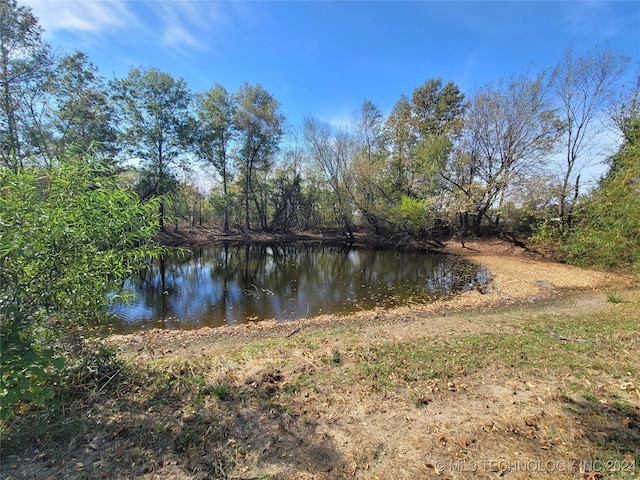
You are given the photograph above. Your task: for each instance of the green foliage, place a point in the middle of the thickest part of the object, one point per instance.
(82, 116)
(546, 233)
(438, 109)
(607, 234)
(431, 152)
(259, 124)
(68, 237)
(25, 63)
(156, 127)
(412, 212)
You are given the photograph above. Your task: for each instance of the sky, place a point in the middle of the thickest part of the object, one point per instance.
(323, 59)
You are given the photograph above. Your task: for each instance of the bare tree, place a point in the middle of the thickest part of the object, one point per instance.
(509, 128)
(585, 87)
(625, 112)
(332, 153)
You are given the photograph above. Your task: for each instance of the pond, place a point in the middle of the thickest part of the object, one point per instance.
(238, 283)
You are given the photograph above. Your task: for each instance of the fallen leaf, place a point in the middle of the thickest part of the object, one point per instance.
(117, 432)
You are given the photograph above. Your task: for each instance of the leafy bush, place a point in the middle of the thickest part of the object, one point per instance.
(68, 236)
(608, 224)
(412, 212)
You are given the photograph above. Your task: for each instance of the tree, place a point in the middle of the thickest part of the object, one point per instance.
(625, 114)
(260, 128)
(215, 110)
(585, 87)
(331, 152)
(25, 63)
(83, 115)
(368, 127)
(291, 204)
(286, 197)
(509, 128)
(438, 109)
(68, 237)
(157, 125)
(368, 164)
(438, 119)
(607, 222)
(401, 139)
(420, 132)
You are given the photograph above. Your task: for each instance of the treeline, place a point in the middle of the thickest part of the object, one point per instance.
(508, 156)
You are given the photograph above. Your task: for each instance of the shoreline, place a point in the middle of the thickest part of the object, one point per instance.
(535, 375)
(518, 276)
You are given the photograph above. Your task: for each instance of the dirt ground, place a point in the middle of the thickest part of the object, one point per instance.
(399, 394)
(489, 423)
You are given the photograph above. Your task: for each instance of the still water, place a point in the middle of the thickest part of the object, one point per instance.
(232, 283)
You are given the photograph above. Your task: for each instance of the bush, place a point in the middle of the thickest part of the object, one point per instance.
(608, 224)
(68, 236)
(413, 213)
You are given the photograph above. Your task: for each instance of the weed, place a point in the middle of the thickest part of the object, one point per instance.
(335, 358)
(221, 391)
(589, 397)
(418, 400)
(197, 431)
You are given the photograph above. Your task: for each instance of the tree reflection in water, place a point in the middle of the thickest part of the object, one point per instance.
(237, 283)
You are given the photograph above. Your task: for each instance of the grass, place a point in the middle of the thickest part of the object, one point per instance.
(191, 418)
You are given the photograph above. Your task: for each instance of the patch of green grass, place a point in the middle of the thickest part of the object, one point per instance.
(548, 343)
(196, 432)
(220, 390)
(295, 385)
(615, 296)
(335, 358)
(425, 358)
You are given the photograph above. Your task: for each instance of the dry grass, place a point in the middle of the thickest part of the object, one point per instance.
(529, 381)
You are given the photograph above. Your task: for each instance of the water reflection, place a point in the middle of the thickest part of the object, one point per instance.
(232, 283)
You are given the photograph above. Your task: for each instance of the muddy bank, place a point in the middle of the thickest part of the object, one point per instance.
(200, 236)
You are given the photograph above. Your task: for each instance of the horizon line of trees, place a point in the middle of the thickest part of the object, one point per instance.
(510, 155)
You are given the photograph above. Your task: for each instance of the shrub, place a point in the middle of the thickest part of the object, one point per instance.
(68, 236)
(608, 224)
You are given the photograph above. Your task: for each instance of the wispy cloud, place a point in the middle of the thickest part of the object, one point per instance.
(181, 25)
(592, 18)
(187, 24)
(82, 16)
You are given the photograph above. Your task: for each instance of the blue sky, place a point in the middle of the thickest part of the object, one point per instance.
(324, 58)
